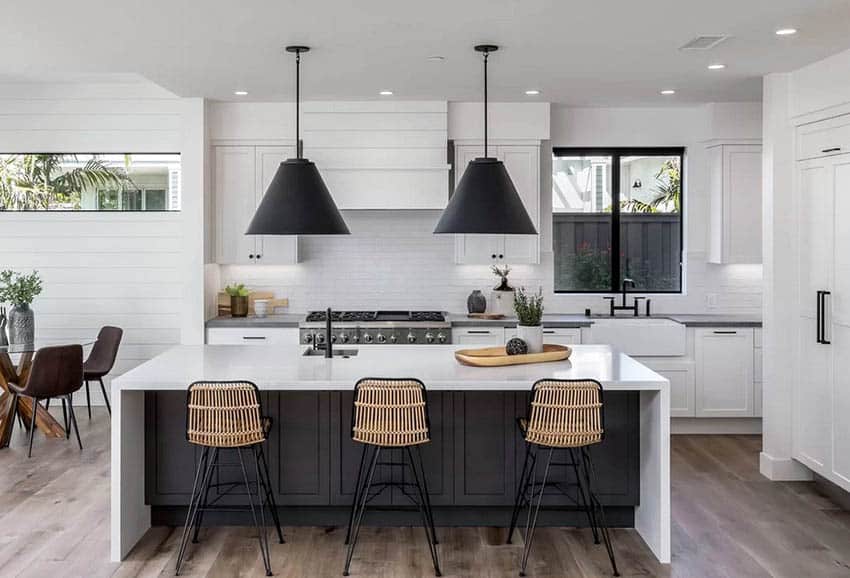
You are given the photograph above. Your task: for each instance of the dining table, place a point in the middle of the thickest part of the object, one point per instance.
(18, 373)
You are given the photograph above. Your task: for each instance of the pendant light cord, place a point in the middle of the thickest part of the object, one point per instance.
(298, 104)
(486, 55)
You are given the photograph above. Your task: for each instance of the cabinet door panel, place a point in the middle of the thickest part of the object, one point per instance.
(742, 203)
(816, 233)
(437, 455)
(473, 249)
(485, 437)
(724, 372)
(235, 200)
(273, 249)
(523, 166)
(813, 405)
(681, 391)
(839, 301)
(841, 407)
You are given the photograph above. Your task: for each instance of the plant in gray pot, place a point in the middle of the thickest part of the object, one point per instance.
(19, 291)
(529, 312)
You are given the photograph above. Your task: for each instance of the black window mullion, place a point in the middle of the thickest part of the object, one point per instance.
(615, 220)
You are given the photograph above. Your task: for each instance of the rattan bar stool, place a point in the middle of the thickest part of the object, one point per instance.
(564, 415)
(227, 415)
(390, 413)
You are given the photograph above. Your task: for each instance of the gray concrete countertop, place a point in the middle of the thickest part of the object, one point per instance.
(715, 320)
(552, 320)
(277, 320)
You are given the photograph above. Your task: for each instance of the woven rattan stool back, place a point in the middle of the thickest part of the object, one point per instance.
(565, 413)
(224, 414)
(390, 412)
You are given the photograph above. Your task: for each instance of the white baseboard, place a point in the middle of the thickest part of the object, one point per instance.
(715, 425)
(783, 469)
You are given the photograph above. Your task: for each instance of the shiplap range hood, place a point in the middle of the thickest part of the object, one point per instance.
(380, 155)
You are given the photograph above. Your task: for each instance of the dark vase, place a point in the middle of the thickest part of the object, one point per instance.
(476, 302)
(21, 324)
(238, 306)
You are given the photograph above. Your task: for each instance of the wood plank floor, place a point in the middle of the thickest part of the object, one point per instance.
(728, 521)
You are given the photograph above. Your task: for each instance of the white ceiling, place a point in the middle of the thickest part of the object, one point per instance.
(593, 52)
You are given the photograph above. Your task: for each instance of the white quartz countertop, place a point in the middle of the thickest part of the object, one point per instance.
(285, 368)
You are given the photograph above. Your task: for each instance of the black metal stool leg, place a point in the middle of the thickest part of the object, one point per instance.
(267, 484)
(356, 499)
(262, 536)
(603, 525)
(204, 492)
(203, 466)
(423, 511)
(428, 509)
(584, 496)
(521, 491)
(32, 424)
(529, 530)
(361, 508)
(88, 398)
(105, 397)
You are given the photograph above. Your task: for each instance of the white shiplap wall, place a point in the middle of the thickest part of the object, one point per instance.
(119, 269)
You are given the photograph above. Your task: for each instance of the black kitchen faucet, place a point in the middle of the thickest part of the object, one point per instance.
(633, 307)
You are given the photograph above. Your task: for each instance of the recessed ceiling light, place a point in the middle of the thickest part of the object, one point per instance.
(786, 31)
(240, 92)
(532, 92)
(436, 58)
(716, 66)
(386, 93)
(668, 91)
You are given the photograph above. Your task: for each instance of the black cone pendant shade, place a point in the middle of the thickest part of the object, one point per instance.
(485, 200)
(297, 201)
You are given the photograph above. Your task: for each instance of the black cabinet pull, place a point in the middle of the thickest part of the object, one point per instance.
(477, 332)
(253, 338)
(549, 332)
(822, 318)
(818, 317)
(251, 256)
(717, 332)
(501, 256)
(493, 256)
(259, 256)
(831, 150)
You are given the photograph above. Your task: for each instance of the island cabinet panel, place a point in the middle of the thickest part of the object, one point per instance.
(436, 456)
(167, 449)
(485, 447)
(616, 459)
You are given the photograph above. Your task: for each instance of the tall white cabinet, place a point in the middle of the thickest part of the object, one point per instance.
(821, 429)
(523, 165)
(240, 177)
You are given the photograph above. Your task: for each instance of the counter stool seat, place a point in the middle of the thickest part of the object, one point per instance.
(563, 415)
(390, 414)
(228, 416)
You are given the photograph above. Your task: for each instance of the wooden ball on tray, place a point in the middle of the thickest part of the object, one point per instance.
(516, 346)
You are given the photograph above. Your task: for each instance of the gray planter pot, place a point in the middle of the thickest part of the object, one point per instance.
(21, 324)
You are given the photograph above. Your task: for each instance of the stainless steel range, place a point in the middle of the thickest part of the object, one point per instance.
(377, 327)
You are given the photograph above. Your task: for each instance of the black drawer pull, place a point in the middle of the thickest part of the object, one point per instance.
(478, 332)
(831, 150)
(253, 337)
(725, 332)
(549, 332)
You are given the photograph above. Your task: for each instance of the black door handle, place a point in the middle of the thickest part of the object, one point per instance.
(819, 316)
(823, 338)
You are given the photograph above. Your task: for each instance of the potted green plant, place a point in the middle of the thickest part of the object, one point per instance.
(19, 291)
(502, 295)
(238, 300)
(529, 312)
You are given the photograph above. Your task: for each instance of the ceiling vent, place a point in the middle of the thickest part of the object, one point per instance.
(705, 42)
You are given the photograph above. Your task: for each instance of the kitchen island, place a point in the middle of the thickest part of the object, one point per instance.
(474, 450)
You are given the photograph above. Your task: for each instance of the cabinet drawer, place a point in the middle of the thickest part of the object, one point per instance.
(562, 335)
(479, 335)
(252, 336)
(825, 138)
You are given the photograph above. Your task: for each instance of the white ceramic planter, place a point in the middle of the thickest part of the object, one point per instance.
(532, 335)
(501, 302)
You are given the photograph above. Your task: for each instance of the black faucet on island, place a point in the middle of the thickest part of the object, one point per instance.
(329, 339)
(633, 307)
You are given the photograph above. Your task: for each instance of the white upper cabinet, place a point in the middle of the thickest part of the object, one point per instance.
(735, 203)
(241, 176)
(824, 138)
(523, 165)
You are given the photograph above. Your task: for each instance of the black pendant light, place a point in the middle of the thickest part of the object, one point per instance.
(485, 200)
(297, 201)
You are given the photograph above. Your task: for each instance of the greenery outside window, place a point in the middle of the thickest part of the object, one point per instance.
(617, 214)
(89, 182)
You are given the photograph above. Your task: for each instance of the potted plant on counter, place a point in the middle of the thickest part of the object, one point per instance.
(529, 312)
(238, 300)
(502, 296)
(20, 290)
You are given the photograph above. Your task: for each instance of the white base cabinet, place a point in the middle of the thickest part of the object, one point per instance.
(488, 335)
(724, 372)
(241, 176)
(252, 336)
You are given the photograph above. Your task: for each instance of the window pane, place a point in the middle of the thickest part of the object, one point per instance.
(650, 221)
(89, 182)
(581, 212)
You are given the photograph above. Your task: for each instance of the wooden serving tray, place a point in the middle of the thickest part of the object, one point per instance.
(496, 356)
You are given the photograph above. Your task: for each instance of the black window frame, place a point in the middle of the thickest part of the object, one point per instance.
(616, 154)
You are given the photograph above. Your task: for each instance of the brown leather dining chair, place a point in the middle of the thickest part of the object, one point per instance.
(57, 372)
(101, 360)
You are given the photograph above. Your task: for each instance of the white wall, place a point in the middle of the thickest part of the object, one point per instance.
(123, 269)
(393, 260)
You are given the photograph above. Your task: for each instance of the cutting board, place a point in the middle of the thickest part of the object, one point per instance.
(224, 302)
(496, 356)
